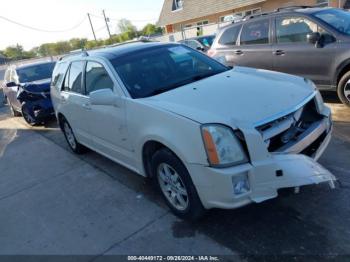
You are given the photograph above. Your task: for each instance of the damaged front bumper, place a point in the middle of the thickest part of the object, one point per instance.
(267, 173)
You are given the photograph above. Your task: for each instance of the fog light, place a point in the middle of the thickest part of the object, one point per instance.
(240, 185)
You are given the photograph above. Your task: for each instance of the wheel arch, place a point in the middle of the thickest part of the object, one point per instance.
(150, 147)
(341, 71)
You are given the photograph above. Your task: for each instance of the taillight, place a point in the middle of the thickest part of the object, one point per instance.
(211, 52)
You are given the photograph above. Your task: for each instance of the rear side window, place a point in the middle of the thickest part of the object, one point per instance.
(58, 75)
(97, 78)
(255, 33)
(73, 80)
(229, 37)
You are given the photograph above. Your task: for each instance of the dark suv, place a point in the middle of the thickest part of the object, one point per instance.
(305, 41)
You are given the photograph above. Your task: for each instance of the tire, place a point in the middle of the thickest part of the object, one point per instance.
(30, 120)
(14, 113)
(343, 89)
(180, 193)
(74, 145)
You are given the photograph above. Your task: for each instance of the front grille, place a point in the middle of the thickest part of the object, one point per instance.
(283, 131)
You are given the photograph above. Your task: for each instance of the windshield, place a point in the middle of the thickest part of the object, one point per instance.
(35, 72)
(156, 70)
(206, 41)
(336, 18)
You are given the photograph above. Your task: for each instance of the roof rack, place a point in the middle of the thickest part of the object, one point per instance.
(293, 7)
(82, 53)
(287, 8)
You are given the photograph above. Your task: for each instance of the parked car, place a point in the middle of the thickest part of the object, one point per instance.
(27, 91)
(308, 42)
(211, 137)
(200, 43)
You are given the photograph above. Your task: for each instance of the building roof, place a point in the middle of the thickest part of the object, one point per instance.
(193, 9)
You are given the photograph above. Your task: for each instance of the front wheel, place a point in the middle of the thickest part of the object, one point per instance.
(28, 117)
(344, 89)
(176, 186)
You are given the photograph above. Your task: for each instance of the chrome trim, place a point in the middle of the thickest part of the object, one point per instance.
(286, 112)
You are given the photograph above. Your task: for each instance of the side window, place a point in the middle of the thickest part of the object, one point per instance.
(73, 80)
(97, 78)
(295, 29)
(229, 37)
(58, 75)
(255, 33)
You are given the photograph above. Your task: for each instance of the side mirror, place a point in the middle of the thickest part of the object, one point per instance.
(104, 97)
(313, 38)
(11, 84)
(199, 48)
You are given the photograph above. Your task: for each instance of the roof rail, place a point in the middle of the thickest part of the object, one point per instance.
(82, 53)
(293, 7)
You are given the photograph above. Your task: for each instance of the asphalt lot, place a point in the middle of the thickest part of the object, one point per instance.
(53, 202)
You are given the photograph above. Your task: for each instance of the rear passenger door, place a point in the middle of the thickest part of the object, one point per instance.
(294, 55)
(74, 103)
(226, 46)
(255, 48)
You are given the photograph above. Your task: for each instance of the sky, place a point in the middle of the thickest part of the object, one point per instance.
(61, 15)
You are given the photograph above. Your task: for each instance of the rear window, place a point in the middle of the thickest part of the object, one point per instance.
(229, 37)
(255, 33)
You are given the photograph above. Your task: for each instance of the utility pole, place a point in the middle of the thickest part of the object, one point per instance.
(106, 20)
(92, 28)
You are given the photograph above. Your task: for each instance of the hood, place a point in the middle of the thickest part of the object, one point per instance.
(37, 86)
(241, 96)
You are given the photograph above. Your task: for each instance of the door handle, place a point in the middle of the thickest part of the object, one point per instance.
(279, 52)
(238, 52)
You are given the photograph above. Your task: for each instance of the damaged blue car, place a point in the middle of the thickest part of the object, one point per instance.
(27, 91)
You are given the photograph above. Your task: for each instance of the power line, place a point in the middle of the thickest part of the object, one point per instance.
(116, 19)
(42, 30)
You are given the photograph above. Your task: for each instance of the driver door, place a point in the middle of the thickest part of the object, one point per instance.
(107, 124)
(294, 55)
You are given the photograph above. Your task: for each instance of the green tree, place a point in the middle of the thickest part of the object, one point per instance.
(14, 52)
(125, 25)
(77, 43)
(151, 29)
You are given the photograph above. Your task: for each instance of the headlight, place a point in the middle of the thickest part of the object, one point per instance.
(319, 102)
(319, 99)
(222, 146)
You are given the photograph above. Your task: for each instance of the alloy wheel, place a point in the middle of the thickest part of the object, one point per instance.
(172, 187)
(347, 90)
(69, 135)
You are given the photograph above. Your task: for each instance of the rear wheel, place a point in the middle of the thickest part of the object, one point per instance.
(176, 186)
(74, 145)
(344, 89)
(13, 111)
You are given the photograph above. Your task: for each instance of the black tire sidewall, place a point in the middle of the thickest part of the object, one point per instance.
(78, 148)
(341, 87)
(195, 209)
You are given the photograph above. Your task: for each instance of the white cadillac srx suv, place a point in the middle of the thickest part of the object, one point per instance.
(209, 135)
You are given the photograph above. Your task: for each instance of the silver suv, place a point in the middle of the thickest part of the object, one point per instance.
(310, 42)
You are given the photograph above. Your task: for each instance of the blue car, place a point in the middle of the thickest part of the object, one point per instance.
(27, 91)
